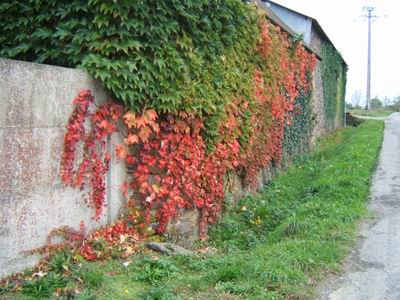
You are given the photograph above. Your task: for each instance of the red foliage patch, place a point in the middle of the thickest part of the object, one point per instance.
(95, 159)
(166, 154)
(274, 99)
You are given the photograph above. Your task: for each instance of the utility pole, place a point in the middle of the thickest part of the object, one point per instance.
(369, 10)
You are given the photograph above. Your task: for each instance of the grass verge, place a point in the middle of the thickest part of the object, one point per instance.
(371, 113)
(274, 245)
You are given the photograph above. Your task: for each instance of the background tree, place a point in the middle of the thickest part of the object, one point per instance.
(395, 106)
(376, 103)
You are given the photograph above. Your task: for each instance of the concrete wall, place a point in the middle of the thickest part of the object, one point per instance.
(35, 103)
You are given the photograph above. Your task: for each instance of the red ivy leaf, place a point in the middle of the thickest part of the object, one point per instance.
(151, 115)
(120, 151)
(140, 122)
(144, 133)
(129, 119)
(131, 139)
(130, 160)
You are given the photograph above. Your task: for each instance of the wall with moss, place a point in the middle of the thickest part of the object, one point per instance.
(334, 84)
(202, 89)
(329, 85)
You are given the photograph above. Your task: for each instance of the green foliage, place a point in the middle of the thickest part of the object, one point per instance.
(60, 262)
(158, 293)
(334, 85)
(151, 270)
(91, 278)
(384, 112)
(5, 288)
(308, 218)
(297, 137)
(44, 287)
(375, 103)
(191, 56)
(86, 295)
(231, 287)
(395, 106)
(297, 37)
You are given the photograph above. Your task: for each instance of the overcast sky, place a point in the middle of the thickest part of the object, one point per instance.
(341, 21)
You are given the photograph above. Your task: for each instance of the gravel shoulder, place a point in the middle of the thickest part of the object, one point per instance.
(372, 270)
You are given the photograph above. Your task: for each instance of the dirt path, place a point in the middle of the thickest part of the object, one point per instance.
(372, 271)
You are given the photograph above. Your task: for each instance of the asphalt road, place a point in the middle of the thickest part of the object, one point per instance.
(372, 270)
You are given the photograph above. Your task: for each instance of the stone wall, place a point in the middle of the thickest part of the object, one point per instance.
(318, 104)
(35, 103)
(183, 231)
(318, 91)
(321, 127)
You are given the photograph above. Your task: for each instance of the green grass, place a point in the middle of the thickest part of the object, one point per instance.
(371, 113)
(275, 245)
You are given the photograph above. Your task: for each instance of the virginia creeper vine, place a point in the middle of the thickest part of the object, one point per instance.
(166, 154)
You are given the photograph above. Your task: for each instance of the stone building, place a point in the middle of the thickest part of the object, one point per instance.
(314, 38)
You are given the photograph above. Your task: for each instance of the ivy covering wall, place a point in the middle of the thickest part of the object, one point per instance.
(334, 72)
(202, 87)
(168, 55)
(297, 137)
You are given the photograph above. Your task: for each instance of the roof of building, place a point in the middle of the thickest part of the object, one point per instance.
(315, 23)
(278, 21)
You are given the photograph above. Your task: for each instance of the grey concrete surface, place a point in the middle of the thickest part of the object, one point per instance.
(372, 270)
(35, 104)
